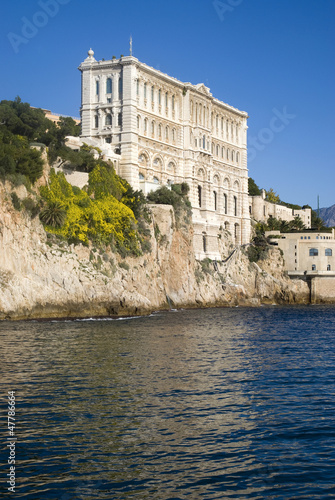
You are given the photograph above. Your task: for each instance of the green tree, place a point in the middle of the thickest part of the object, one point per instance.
(297, 224)
(273, 224)
(317, 222)
(54, 214)
(272, 196)
(254, 190)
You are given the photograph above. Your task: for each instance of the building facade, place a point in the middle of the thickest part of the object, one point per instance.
(307, 253)
(260, 210)
(166, 131)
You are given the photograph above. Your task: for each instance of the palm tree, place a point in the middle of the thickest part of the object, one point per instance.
(54, 214)
(297, 223)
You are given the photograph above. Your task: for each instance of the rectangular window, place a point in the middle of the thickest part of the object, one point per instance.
(97, 87)
(108, 86)
(137, 87)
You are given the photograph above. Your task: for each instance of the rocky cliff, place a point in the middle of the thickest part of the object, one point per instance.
(43, 278)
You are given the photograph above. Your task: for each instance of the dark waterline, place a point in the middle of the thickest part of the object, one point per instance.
(198, 404)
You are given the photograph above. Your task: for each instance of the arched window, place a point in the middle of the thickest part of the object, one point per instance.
(108, 120)
(221, 126)
(226, 226)
(313, 267)
(217, 150)
(328, 252)
(313, 252)
(145, 90)
(215, 200)
(108, 86)
(160, 130)
(145, 125)
(199, 196)
(237, 157)
(228, 151)
(233, 155)
(137, 87)
(152, 128)
(235, 205)
(204, 142)
(236, 231)
(156, 180)
(166, 133)
(159, 97)
(166, 99)
(212, 148)
(225, 203)
(173, 106)
(329, 268)
(96, 121)
(97, 87)
(138, 122)
(236, 133)
(222, 152)
(141, 176)
(173, 134)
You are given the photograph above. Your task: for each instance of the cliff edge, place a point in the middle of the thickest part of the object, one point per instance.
(41, 277)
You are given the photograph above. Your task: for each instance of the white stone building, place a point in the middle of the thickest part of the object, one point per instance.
(260, 210)
(166, 131)
(307, 253)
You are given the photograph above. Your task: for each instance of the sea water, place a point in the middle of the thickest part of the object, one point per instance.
(233, 403)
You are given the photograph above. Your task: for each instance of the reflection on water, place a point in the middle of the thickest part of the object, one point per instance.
(217, 403)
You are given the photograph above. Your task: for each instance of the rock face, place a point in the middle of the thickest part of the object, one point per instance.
(44, 279)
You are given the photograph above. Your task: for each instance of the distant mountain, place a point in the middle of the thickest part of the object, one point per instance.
(328, 215)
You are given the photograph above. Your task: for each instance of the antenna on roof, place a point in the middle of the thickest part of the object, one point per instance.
(318, 206)
(131, 45)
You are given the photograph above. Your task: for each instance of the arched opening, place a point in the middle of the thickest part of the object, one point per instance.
(215, 195)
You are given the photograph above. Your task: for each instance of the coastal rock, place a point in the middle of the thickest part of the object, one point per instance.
(40, 278)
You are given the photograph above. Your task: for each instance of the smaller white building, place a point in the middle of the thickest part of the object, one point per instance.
(306, 253)
(260, 210)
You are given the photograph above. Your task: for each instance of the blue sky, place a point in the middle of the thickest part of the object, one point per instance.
(271, 58)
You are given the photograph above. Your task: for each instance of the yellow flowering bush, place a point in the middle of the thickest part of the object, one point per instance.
(100, 217)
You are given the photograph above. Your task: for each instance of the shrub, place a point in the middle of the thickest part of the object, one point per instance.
(124, 265)
(16, 201)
